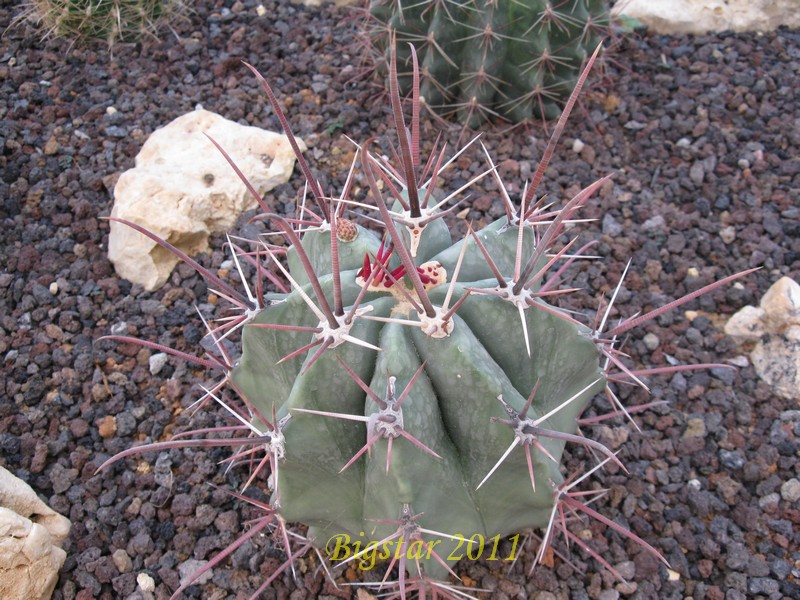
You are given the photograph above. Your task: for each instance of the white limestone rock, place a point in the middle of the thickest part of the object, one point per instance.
(182, 189)
(774, 328)
(703, 16)
(18, 496)
(777, 361)
(781, 306)
(747, 325)
(31, 535)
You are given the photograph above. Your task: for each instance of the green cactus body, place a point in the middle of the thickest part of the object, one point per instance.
(452, 408)
(509, 59)
(412, 394)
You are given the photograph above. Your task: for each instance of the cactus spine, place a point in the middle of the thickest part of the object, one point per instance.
(496, 59)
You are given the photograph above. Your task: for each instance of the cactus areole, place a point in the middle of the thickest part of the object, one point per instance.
(405, 394)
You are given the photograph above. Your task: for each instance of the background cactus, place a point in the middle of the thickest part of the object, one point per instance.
(410, 395)
(108, 20)
(507, 59)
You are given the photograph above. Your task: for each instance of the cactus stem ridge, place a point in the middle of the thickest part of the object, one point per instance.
(387, 423)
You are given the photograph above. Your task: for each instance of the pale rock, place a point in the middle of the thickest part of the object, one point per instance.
(702, 16)
(613, 437)
(777, 361)
(189, 568)
(146, 582)
(774, 327)
(790, 490)
(31, 535)
(157, 361)
(182, 189)
(122, 560)
(626, 569)
(728, 234)
(18, 496)
(781, 305)
(695, 427)
(746, 325)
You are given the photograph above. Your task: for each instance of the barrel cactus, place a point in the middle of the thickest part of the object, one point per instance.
(405, 394)
(487, 60)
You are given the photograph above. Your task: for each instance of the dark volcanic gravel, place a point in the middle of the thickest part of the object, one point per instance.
(703, 137)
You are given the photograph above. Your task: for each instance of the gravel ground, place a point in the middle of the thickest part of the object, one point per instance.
(703, 135)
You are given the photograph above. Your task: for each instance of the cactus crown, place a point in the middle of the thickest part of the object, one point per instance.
(408, 394)
(502, 59)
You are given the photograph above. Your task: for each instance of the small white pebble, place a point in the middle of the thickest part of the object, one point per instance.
(692, 272)
(740, 361)
(146, 583)
(694, 484)
(189, 569)
(651, 341)
(673, 575)
(157, 362)
(769, 502)
(54, 288)
(122, 561)
(728, 234)
(260, 10)
(626, 569)
(577, 146)
(790, 490)
(110, 110)
(120, 328)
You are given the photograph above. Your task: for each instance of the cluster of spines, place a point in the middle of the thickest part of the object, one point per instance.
(258, 439)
